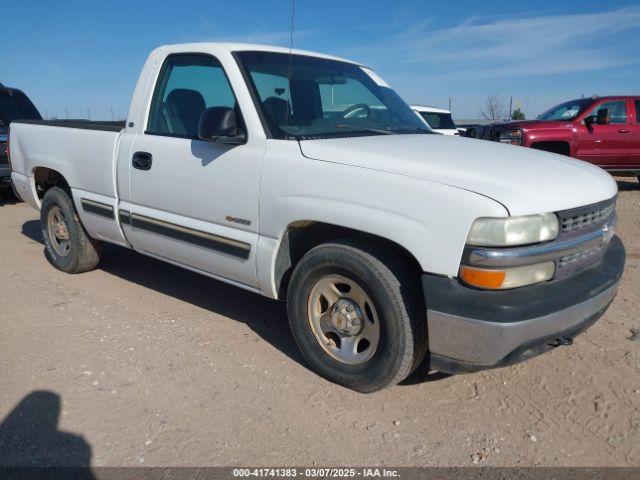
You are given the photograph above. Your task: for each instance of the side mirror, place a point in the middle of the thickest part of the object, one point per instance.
(589, 121)
(220, 124)
(603, 117)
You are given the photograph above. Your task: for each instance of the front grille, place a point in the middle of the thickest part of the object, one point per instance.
(579, 221)
(584, 220)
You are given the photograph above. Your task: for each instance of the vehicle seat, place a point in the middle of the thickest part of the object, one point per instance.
(277, 110)
(183, 108)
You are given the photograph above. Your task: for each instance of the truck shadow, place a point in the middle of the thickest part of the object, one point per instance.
(266, 317)
(7, 199)
(30, 440)
(627, 185)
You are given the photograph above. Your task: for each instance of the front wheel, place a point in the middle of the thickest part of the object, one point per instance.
(68, 247)
(357, 315)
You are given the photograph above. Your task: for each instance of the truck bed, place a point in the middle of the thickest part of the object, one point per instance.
(82, 151)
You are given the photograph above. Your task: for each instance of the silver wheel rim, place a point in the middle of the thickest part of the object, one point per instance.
(343, 320)
(58, 231)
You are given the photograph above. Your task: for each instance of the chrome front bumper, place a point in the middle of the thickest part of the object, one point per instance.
(471, 329)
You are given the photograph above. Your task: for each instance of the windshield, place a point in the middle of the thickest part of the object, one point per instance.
(438, 120)
(566, 111)
(14, 105)
(325, 98)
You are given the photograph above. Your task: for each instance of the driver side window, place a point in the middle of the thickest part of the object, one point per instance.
(187, 85)
(617, 110)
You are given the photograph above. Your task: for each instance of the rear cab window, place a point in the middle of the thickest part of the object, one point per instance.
(637, 105)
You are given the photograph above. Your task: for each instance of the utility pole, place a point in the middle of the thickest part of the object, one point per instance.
(449, 103)
(510, 108)
(112, 119)
(66, 113)
(88, 113)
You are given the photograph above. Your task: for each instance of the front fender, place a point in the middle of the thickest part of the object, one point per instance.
(428, 219)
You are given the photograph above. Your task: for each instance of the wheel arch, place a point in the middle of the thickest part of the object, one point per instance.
(561, 147)
(46, 178)
(301, 236)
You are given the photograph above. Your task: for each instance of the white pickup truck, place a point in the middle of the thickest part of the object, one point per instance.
(391, 245)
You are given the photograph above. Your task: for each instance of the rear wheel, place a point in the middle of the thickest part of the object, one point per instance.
(357, 315)
(68, 246)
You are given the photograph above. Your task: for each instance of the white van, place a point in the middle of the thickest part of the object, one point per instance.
(438, 119)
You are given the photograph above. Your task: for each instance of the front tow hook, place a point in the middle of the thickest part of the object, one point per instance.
(561, 342)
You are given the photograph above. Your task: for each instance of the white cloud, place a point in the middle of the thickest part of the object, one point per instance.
(503, 47)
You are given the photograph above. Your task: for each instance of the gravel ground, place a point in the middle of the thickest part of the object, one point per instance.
(142, 363)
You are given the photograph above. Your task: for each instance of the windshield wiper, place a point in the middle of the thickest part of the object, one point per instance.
(413, 129)
(364, 129)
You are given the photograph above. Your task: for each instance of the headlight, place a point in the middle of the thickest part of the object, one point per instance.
(511, 231)
(513, 137)
(507, 277)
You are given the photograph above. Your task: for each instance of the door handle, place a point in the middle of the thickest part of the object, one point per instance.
(624, 130)
(142, 160)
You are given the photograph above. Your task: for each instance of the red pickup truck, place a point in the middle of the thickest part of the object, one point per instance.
(604, 131)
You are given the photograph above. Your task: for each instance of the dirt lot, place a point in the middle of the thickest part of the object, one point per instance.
(143, 363)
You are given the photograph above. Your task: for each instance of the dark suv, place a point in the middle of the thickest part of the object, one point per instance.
(14, 105)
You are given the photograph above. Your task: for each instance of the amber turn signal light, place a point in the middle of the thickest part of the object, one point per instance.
(482, 278)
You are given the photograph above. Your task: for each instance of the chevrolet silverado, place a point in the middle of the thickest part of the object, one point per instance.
(306, 178)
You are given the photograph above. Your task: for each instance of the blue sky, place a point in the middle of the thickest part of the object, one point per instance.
(80, 56)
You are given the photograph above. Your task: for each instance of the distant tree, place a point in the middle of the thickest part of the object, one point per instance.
(517, 114)
(494, 108)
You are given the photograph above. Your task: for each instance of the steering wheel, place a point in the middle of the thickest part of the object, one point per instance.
(348, 113)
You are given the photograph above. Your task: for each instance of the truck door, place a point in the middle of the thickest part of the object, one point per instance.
(606, 145)
(193, 202)
(635, 136)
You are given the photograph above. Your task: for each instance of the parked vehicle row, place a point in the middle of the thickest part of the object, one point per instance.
(391, 245)
(604, 131)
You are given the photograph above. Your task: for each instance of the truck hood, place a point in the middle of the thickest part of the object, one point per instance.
(524, 180)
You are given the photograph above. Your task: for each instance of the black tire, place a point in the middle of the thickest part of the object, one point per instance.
(393, 287)
(83, 252)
